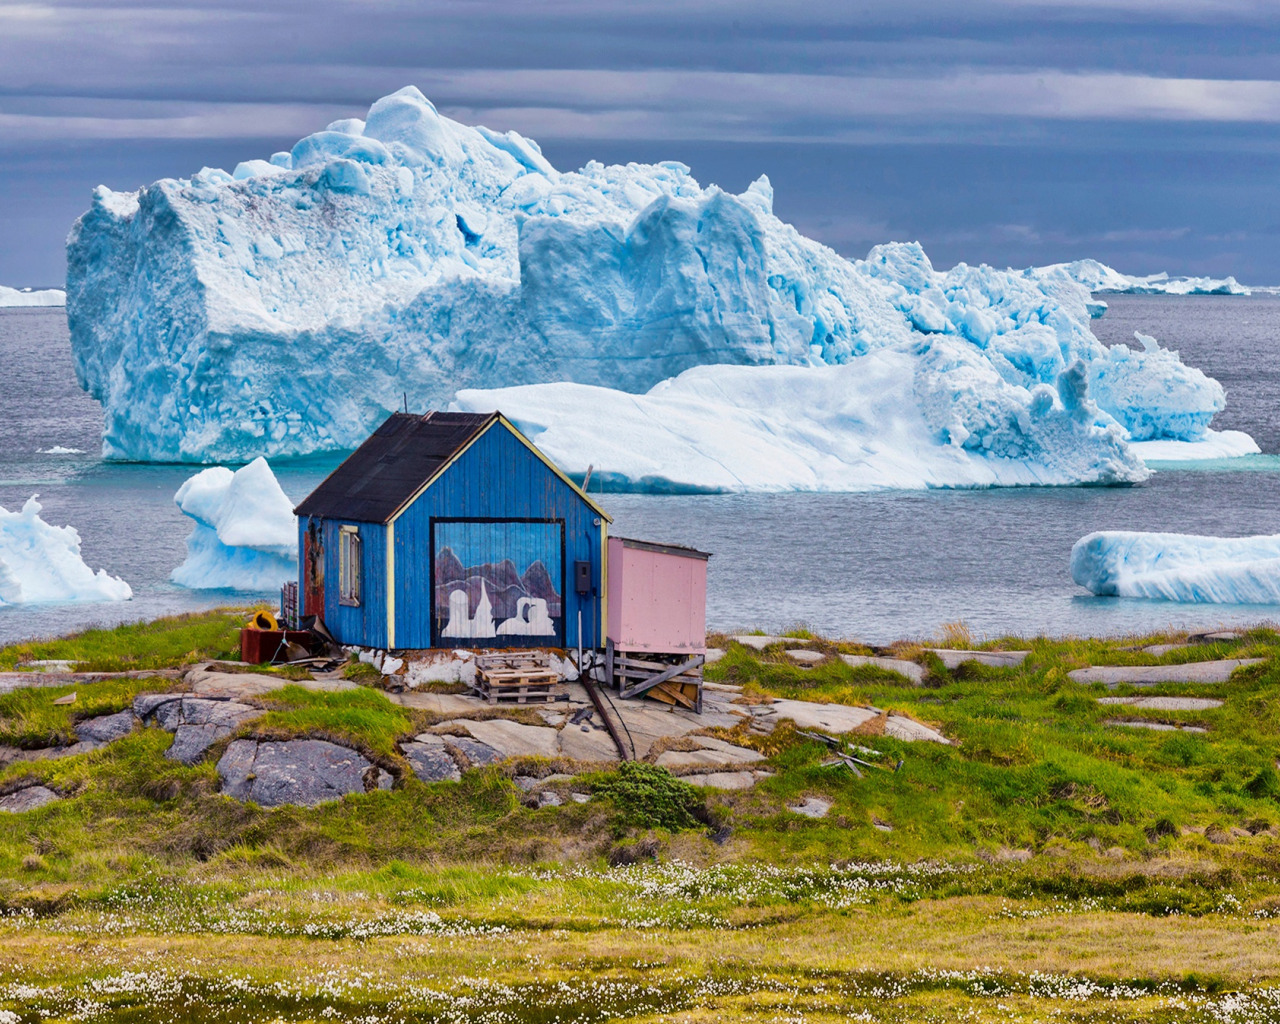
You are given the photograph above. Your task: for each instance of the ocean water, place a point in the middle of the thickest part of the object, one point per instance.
(876, 567)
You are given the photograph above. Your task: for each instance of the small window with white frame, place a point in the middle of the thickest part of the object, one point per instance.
(349, 565)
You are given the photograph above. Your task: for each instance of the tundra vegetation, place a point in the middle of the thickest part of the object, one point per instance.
(1045, 866)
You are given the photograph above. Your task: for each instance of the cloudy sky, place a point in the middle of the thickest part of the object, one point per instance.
(1145, 133)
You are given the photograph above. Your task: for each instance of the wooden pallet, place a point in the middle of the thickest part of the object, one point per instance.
(516, 659)
(671, 679)
(521, 677)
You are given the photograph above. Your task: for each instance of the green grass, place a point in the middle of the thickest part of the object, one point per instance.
(30, 719)
(164, 643)
(1033, 766)
(406, 941)
(362, 717)
(1043, 866)
(361, 672)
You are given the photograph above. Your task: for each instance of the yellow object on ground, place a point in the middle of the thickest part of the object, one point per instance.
(263, 620)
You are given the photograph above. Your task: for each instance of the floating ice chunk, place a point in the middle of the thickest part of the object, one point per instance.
(1153, 393)
(29, 297)
(41, 564)
(1095, 276)
(1214, 444)
(245, 535)
(1098, 277)
(1163, 284)
(870, 424)
(58, 449)
(1179, 567)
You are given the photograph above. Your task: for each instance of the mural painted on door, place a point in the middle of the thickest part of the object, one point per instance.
(498, 581)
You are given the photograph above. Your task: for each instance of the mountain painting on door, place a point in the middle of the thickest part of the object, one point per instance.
(499, 582)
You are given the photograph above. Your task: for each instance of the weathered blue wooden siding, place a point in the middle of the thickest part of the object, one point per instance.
(364, 624)
(498, 477)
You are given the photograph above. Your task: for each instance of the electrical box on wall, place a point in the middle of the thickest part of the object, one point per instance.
(582, 577)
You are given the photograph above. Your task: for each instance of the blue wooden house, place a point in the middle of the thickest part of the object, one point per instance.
(453, 530)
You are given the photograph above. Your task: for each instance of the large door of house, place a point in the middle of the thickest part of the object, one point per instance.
(498, 582)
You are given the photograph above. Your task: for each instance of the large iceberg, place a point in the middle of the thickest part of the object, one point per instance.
(31, 297)
(245, 537)
(287, 307)
(1100, 278)
(1179, 567)
(41, 563)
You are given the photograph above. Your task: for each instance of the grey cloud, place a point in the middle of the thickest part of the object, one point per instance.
(683, 105)
(195, 121)
(1010, 131)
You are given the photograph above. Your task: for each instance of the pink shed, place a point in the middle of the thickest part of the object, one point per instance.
(657, 597)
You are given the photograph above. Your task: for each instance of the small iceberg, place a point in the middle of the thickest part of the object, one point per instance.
(246, 535)
(41, 564)
(1100, 278)
(1179, 567)
(27, 297)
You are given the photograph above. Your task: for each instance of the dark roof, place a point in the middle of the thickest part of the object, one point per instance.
(389, 468)
(666, 549)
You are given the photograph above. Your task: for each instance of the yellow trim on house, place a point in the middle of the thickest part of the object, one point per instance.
(391, 585)
(499, 418)
(602, 635)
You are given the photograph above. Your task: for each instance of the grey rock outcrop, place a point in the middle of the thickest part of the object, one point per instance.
(105, 728)
(27, 799)
(430, 760)
(1112, 676)
(477, 754)
(901, 666)
(1165, 703)
(726, 780)
(711, 752)
(207, 681)
(303, 772)
(196, 723)
(760, 642)
(811, 807)
(1137, 723)
(904, 728)
(805, 657)
(953, 659)
(511, 739)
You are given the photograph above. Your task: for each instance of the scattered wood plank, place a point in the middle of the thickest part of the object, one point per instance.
(677, 684)
(842, 755)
